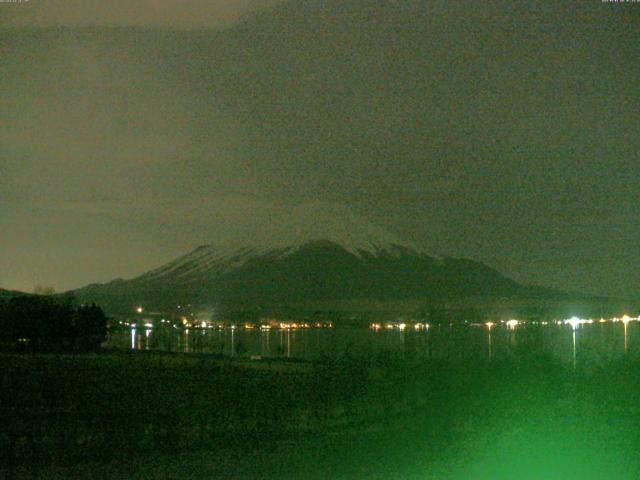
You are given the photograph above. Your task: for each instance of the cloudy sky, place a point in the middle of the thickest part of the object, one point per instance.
(507, 132)
(183, 14)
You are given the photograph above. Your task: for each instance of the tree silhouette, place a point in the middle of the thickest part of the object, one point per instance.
(46, 322)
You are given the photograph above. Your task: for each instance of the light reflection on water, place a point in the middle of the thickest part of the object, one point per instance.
(589, 343)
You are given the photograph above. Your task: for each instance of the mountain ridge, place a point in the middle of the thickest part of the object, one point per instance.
(318, 270)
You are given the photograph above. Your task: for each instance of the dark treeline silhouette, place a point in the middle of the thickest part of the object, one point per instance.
(39, 322)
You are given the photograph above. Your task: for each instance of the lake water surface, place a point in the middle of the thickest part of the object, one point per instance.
(588, 343)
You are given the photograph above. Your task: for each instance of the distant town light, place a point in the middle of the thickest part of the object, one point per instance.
(574, 322)
(512, 324)
(139, 309)
(489, 325)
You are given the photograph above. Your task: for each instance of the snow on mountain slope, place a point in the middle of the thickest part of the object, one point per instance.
(285, 233)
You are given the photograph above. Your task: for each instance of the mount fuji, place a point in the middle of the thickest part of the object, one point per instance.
(308, 255)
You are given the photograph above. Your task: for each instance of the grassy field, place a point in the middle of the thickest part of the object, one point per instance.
(132, 415)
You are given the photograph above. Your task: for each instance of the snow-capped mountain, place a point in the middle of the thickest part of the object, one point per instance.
(208, 260)
(311, 253)
(318, 270)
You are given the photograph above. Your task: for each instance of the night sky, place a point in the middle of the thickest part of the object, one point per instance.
(503, 131)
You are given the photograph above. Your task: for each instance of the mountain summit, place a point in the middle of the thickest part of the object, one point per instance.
(290, 228)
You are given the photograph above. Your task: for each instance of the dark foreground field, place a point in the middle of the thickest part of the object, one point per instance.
(120, 415)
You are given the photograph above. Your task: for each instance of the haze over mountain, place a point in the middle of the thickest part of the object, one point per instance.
(500, 131)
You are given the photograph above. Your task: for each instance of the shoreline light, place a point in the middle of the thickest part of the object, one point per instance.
(512, 324)
(573, 321)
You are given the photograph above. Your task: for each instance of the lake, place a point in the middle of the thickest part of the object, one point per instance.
(588, 343)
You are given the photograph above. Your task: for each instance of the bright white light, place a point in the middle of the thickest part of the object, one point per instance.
(626, 319)
(512, 324)
(148, 325)
(574, 322)
(402, 326)
(139, 309)
(489, 325)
